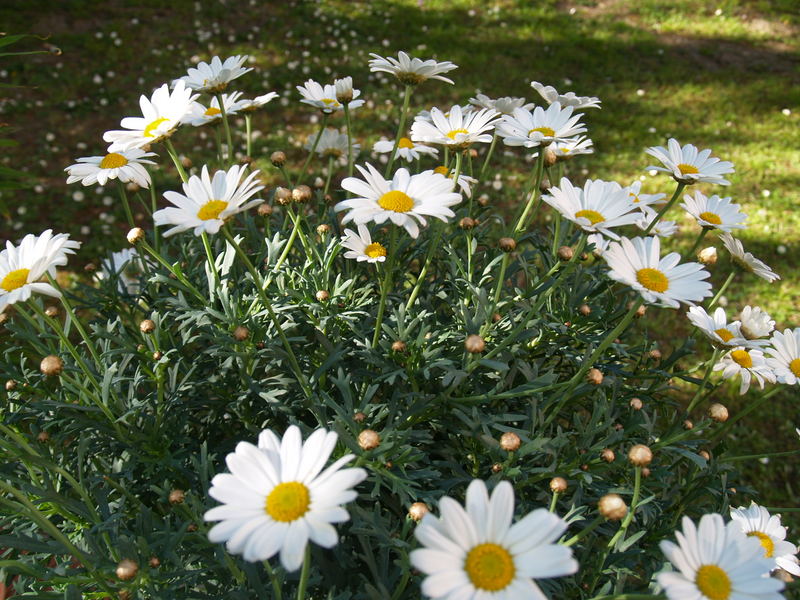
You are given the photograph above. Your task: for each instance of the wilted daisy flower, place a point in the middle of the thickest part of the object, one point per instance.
(747, 363)
(324, 97)
(22, 267)
(746, 260)
(505, 106)
(331, 143)
(406, 149)
(465, 182)
(716, 327)
(126, 265)
(716, 561)
(345, 92)
(570, 147)
(250, 104)
(551, 95)
(475, 552)
(200, 115)
(597, 207)
(756, 323)
(411, 71)
(689, 166)
(662, 229)
(529, 129)
(405, 200)
(361, 247)
(641, 200)
(714, 212)
(756, 522)
(637, 263)
(215, 77)
(276, 496)
(126, 165)
(161, 115)
(457, 129)
(785, 356)
(207, 203)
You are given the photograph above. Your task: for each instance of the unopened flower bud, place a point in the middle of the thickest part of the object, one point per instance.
(278, 158)
(607, 455)
(323, 229)
(177, 496)
(369, 439)
(418, 510)
(264, 210)
(302, 193)
(687, 424)
(147, 326)
(474, 344)
(154, 562)
(640, 455)
(708, 256)
(636, 403)
(594, 376)
(544, 186)
(466, 223)
(192, 527)
(283, 196)
(43, 437)
(705, 454)
(51, 311)
(497, 317)
(565, 253)
(558, 485)
(399, 346)
(127, 569)
(645, 472)
(359, 417)
(510, 441)
(612, 507)
(135, 235)
(585, 310)
(718, 412)
(507, 244)
(186, 162)
(497, 467)
(322, 296)
(158, 355)
(639, 311)
(51, 365)
(319, 183)
(241, 333)
(11, 385)
(654, 354)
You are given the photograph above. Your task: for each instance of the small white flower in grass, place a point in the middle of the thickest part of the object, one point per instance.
(663, 281)
(756, 521)
(784, 356)
(662, 229)
(748, 363)
(643, 200)
(714, 212)
(746, 260)
(457, 129)
(126, 265)
(716, 561)
(207, 203)
(200, 115)
(529, 129)
(405, 200)
(688, 165)
(361, 247)
(409, 70)
(215, 76)
(324, 97)
(756, 323)
(22, 267)
(251, 104)
(716, 327)
(505, 106)
(551, 95)
(331, 143)
(564, 149)
(596, 207)
(474, 552)
(162, 113)
(465, 182)
(406, 149)
(126, 165)
(277, 497)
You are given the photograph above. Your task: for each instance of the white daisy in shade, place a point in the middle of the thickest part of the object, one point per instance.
(474, 552)
(756, 522)
(599, 241)
(323, 97)
(748, 363)
(641, 200)
(597, 207)
(529, 129)
(251, 104)
(126, 266)
(505, 106)
(331, 143)
(564, 149)
(126, 165)
(662, 229)
(361, 247)
(756, 324)
(457, 129)
(207, 203)
(784, 356)
(551, 95)
(405, 200)
(716, 327)
(714, 212)
(409, 70)
(22, 267)
(663, 281)
(200, 115)
(406, 149)
(161, 115)
(215, 76)
(688, 165)
(465, 182)
(746, 260)
(716, 561)
(277, 497)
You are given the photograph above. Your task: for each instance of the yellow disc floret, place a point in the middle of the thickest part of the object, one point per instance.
(710, 217)
(211, 210)
(545, 131)
(396, 201)
(766, 542)
(375, 250)
(713, 582)
(593, 216)
(288, 501)
(794, 367)
(688, 169)
(113, 161)
(331, 102)
(15, 279)
(742, 358)
(454, 132)
(724, 334)
(490, 567)
(652, 279)
(442, 171)
(212, 111)
(405, 143)
(148, 131)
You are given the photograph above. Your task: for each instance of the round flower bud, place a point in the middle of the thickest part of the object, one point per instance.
(241, 333)
(264, 210)
(43, 437)
(474, 344)
(510, 441)
(550, 157)
(177, 496)
(135, 235)
(322, 295)
(399, 346)
(127, 569)
(319, 183)
(565, 253)
(154, 562)
(186, 162)
(278, 158)
(705, 454)
(612, 507)
(323, 229)
(147, 326)
(639, 311)
(594, 376)
(11, 385)
(302, 193)
(708, 256)
(369, 439)
(359, 417)
(640, 455)
(497, 467)
(507, 244)
(585, 310)
(654, 354)
(157, 355)
(418, 510)
(466, 223)
(545, 186)
(483, 200)
(497, 317)
(718, 412)
(687, 424)
(645, 472)
(558, 485)
(607, 455)
(51, 365)
(192, 527)
(124, 595)
(283, 196)
(51, 311)
(636, 403)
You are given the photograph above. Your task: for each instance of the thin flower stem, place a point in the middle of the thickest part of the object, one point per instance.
(273, 577)
(498, 288)
(637, 487)
(218, 136)
(722, 289)
(535, 195)
(78, 325)
(743, 413)
(700, 390)
(554, 501)
(228, 139)
(178, 274)
(211, 262)
(349, 144)
(698, 241)
(175, 159)
(387, 283)
(248, 125)
(400, 129)
(557, 234)
(758, 456)
(123, 195)
(154, 207)
(301, 587)
(667, 206)
(330, 175)
(488, 157)
(433, 244)
(598, 520)
(313, 149)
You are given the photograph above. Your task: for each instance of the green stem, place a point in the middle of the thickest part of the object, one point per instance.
(757, 456)
(400, 129)
(599, 520)
(301, 587)
(78, 325)
(248, 125)
(497, 289)
(349, 144)
(698, 241)
(709, 368)
(175, 159)
(554, 501)
(227, 126)
(556, 234)
(535, 194)
(387, 283)
(273, 577)
(211, 262)
(178, 275)
(328, 178)
(154, 207)
(123, 195)
(313, 149)
(667, 206)
(433, 244)
(743, 413)
(637, 486)
(722, 289)
(488, 157)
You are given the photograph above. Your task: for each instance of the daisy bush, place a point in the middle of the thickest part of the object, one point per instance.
(329, 373)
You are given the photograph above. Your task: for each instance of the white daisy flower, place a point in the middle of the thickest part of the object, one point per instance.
(276, 496)
(22, 267)
(207, 203)
(756, 522)
(599, 241)
(746, 260)
(466, 109)
(505, 106)
(716, 327)
(161, 115)
(716, 561)
(406, 149)
(405, 200)
(688, 165)
(126, 265)
(714, 212)
(475, 553)
(250, 104)
(411, 71)
(551, 95)
(662, 229)
(456, 129)
(331, 143)
(784, 356)
(643, 200)
(465, 182)
(663, 281)
(127, 166)
(215, 77)
(361, 247)
(199, 115)
(345, 92)
(596, 208)
(324, 97)
(567, 148)
(747, 363)
(756, 324)
(529, 129)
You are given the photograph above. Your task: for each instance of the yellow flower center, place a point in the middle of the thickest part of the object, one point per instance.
(148, 131)
(794, 367)
(331, 102)
(211, 210)
(405, 143)
(442, 171)
(545, 131)
(454, 132)
(212, 111)
(113, 161)
(742, 358)
(490, 567)
(396, 201)
(375, 250)
(652, 279)
(766, 542)
(634, 196)
(15, 279)
(724, 334)
(710, 217)
(687, 169)
(713, 582)
(593, 216)
(288, 501)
